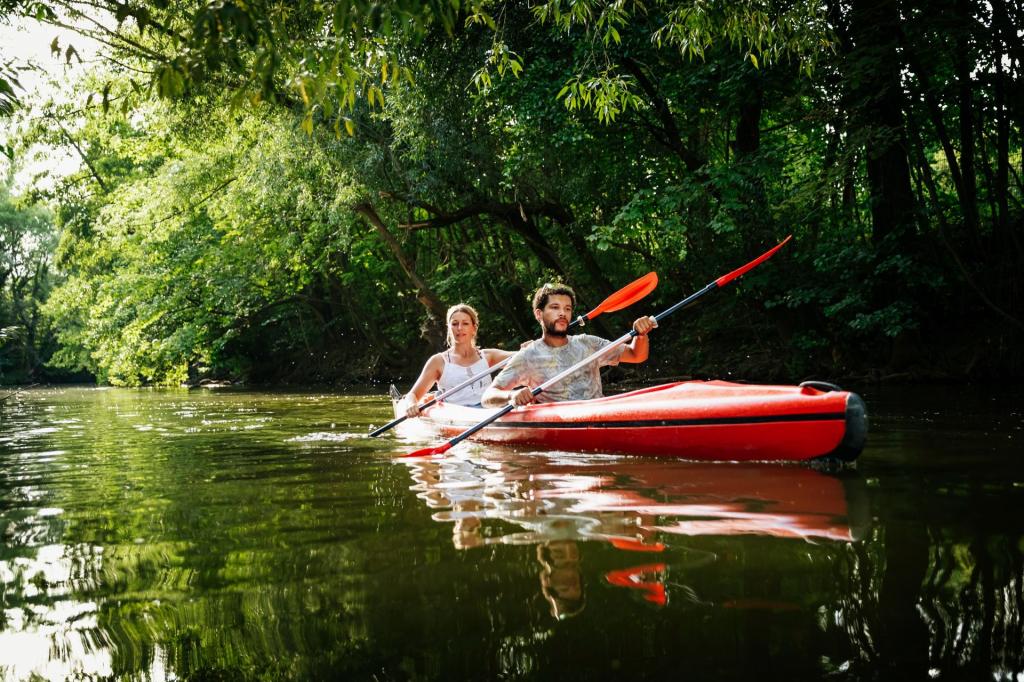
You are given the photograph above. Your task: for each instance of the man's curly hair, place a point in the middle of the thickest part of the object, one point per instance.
(540, 299)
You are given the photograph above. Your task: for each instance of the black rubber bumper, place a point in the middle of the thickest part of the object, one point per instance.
(856, 430)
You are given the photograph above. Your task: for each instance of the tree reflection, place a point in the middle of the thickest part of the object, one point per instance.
(918, 601)
(145, 535)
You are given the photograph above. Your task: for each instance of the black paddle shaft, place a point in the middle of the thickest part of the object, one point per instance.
(692, 298)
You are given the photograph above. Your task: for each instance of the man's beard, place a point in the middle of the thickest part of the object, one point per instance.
(551, 330)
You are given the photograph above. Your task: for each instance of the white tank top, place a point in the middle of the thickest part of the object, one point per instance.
(454, 374)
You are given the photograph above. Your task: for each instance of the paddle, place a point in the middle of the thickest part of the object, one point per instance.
(720, 282)
(623, 298)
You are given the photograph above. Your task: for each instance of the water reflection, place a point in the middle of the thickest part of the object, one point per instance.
(501, 497)
(174, 535)
(163, 534)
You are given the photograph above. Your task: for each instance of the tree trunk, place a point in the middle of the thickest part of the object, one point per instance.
(1003, 108)
(754, 218)
(425, 295)
(525, 226)
(929, 181)
(963, 65)
(935, 114)
(875, 100)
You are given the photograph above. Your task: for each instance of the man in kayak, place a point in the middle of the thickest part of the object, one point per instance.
(557, 351)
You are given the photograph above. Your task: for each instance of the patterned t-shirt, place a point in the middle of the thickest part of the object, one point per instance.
(539, 362)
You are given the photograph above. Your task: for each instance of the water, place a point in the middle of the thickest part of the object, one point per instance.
(243, 535)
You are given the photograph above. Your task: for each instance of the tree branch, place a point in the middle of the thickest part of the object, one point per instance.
(425, 294)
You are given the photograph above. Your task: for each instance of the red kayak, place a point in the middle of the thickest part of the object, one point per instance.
(698, 420)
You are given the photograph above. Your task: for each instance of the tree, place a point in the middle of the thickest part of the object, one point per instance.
(27, 238)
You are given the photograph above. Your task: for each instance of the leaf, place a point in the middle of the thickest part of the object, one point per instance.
(340, 17)
(55, 46)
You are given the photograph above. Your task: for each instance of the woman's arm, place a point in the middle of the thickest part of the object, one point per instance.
(496, 355)
(428, 377)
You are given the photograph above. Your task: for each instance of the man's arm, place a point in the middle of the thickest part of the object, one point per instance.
(502, 389)
(500, 397)
(639, 347)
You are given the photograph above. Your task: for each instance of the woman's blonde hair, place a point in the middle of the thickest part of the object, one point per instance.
(460, 308)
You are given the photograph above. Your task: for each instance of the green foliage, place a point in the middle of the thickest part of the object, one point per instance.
(9, 86)
(197, 246)
(206, 238)
(27, 238)
(608, 94)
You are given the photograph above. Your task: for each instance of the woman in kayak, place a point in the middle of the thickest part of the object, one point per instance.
(461, 361)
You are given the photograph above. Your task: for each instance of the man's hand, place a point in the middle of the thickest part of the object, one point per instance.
(644, 324)
(524, 396)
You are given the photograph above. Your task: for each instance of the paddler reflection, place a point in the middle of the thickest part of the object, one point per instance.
(637, 506)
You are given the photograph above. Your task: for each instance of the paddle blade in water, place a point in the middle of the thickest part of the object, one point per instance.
(428, 452)
(636, 545)
(626, 296)
(725, 279)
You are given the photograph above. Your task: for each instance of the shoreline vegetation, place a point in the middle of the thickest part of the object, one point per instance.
(261, 200)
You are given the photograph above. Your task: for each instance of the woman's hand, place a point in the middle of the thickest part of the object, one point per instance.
(413, 409)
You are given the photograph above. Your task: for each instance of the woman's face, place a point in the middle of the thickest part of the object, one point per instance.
(462, 328)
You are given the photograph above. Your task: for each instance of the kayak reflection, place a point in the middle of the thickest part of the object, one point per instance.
(636, 505)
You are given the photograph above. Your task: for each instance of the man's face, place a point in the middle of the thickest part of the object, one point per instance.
(555, 316)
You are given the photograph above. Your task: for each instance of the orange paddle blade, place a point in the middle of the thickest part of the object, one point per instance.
(725, 279)
(626, 296)
(428, 452)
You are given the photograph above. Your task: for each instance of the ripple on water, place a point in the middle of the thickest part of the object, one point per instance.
(324, 437)
(173, 535)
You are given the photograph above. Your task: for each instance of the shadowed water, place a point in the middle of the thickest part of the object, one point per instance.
(244, 535)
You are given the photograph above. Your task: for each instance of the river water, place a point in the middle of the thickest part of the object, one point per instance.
(226, 535)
